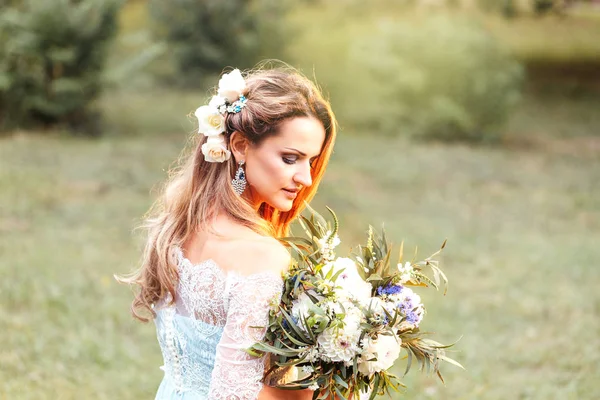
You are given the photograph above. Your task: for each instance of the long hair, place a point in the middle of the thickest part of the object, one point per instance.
(198, 190)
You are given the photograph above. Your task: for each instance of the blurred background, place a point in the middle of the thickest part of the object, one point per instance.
(472, 120)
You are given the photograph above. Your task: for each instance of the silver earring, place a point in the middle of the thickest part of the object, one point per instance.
(239, 182)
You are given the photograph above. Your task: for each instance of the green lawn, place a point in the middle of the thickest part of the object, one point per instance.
(522, 222)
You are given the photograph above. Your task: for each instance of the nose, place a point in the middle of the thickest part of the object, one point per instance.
(303, 176)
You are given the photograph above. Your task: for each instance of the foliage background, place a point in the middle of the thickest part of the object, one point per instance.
(521, 212)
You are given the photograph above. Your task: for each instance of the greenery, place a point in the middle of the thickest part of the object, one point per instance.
(52, 55)
(424, 93)
(372, 299)
(412, 75)
(522, 223)
(522, 220)
(205, 36)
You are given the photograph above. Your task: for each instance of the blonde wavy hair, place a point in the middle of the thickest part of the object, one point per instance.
(197, 190)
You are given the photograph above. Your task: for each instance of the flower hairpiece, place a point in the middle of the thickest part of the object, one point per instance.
(211, 118)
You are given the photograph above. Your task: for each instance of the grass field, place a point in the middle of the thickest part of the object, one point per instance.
(522, 222)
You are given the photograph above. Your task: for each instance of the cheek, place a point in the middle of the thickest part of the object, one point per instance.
(267, 174)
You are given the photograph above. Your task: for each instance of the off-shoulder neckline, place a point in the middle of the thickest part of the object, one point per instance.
(182, 260)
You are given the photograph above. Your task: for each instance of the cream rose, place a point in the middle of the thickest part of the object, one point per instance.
(232, 85)
(349, 283)
(210, 121)
(385, 348)
(215, 150)
(216, 101)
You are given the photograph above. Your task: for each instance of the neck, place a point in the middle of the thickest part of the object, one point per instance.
(248, 195)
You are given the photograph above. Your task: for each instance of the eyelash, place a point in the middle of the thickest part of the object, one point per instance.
(289, 160)
(292, 160)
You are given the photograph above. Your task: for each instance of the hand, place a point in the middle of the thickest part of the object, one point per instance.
(271, 393)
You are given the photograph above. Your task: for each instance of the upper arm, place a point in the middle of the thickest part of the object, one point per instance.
(236, 374)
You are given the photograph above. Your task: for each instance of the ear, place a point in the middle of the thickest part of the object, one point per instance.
(238, 145)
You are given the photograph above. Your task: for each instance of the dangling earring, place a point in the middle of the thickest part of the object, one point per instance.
(239, 182)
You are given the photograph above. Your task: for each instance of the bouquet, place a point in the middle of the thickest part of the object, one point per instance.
(344, 321)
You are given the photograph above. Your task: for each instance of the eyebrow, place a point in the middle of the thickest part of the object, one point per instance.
(296, 150)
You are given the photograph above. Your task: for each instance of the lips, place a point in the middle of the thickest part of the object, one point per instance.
(291, 193)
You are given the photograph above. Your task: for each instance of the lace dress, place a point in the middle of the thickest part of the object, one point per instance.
(203, 335)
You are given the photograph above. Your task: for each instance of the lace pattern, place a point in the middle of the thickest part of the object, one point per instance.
(204, 334)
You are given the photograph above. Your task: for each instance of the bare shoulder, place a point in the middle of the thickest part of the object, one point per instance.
(259, 253)
(246, 251)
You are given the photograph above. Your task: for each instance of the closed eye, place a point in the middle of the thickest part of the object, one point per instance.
(293, 158)
(290, 159)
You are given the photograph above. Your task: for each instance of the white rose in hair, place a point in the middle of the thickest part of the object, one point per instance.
(216, 101)
(386, 350)
(232, 85)
(210, 121)
(215, 150)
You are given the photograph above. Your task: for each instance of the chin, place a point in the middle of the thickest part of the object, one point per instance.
(282, 205)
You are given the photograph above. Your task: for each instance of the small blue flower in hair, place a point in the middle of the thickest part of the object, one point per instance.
(237, 105)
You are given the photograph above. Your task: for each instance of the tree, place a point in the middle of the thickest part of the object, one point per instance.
(52, 54)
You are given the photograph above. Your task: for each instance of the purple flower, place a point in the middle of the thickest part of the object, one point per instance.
(389, 290)
(412, 317)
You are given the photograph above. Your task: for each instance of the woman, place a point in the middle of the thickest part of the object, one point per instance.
(212, 265)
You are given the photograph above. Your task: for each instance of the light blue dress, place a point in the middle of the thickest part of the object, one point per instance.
(203, 334)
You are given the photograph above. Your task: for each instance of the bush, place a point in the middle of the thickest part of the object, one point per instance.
(445, 79)
(204, 36)
(52, 53)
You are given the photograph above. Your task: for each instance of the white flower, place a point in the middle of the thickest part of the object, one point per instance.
(312, 354)
(216, 102)
(406, 272)
(409, 304)
(210, 121)
(340, 342)
(335, 241)
(314, 386)
(232, 85)
(408, 295)
(307, 369)
(386, 350)
(301, 309)
(215, 150)
(378, 307)
(365, 395)
(335, 344)
(327, 244)
(350, 283)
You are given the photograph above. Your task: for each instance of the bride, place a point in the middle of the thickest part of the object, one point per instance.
(212, 265)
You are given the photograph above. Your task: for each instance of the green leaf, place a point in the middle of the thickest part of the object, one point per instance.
(408, 361)
(270, 349)
(309, 227)
(295, 239)
(340, 381)
(291, 338)
(374, 277)
(291, 323)
(451, 361)
(339, 393)
(336, 223)
(423, 278)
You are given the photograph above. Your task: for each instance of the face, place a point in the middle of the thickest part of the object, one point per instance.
(281, 165)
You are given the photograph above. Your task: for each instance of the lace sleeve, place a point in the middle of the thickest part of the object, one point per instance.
(236, 374)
